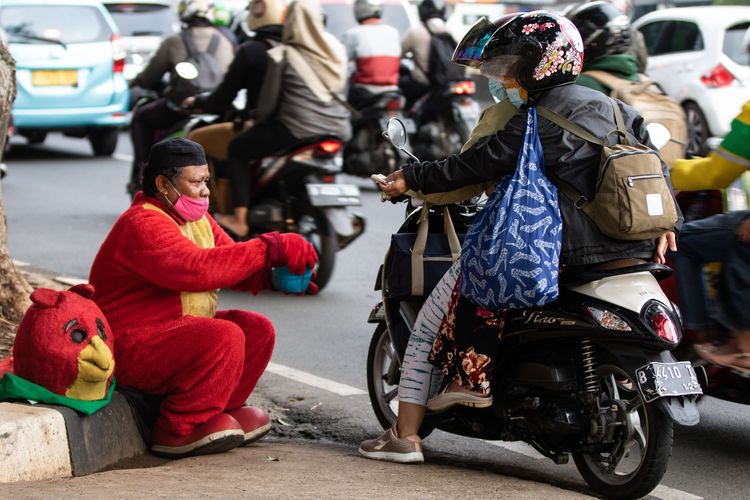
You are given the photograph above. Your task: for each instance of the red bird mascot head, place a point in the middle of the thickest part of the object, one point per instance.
(65, 344)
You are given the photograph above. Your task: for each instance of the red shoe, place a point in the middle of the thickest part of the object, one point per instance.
(254, 422)
(219, 433)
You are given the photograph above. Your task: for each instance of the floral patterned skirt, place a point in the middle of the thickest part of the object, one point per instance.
(468, 339)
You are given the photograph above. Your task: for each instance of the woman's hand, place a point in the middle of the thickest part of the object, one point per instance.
(394, 185)
(666, 240)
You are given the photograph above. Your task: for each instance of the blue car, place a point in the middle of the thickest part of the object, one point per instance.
(69, 70)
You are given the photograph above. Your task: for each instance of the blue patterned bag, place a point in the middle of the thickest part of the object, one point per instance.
(511, 253)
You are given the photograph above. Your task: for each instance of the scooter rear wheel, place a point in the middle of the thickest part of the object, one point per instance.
(644, 447)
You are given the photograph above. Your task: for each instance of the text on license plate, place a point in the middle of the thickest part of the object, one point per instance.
(658, 380)
(54, 77)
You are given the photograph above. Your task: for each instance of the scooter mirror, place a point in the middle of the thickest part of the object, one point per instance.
(396, 133)
(659, 134)
(186, 70)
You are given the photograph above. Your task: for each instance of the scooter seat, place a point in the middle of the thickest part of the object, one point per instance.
(307, 141)
(580, 275)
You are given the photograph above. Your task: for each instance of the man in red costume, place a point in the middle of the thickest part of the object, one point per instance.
(157, 275)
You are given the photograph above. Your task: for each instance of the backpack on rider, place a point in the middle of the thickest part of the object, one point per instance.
(442, 70)
(209, 75)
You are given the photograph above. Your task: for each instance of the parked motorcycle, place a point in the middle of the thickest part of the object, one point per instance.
(440, 122)
(367, 152)
(589, 376)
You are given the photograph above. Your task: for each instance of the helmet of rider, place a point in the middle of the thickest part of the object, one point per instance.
(539, 50)
(469, 50)
(222, 15)
(429, 9)
(265, 13)
(192, 9)
(367, 9)
(604, 28)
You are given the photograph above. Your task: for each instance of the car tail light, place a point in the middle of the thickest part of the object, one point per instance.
(718, 77)
(608, 320)
(660, 322)
(118, 54)
(466, 87)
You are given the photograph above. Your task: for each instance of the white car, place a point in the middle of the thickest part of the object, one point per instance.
(696, 54)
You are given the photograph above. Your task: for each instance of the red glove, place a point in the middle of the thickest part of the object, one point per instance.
(291, 250)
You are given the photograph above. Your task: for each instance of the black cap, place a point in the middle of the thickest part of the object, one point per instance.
(176, 152)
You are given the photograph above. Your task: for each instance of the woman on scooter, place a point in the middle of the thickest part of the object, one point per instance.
(532, 58)
(302, 96)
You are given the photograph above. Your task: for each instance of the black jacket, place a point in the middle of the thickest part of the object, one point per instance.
(246, 71)
(567, 156)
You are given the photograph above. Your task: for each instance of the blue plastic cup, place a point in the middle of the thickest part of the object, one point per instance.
(285, 281)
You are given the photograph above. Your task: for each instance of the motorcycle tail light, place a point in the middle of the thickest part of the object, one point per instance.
(328, 179)
(394, 105)
(718, 77)
(660, 322)
(466, 87)
(608, 320)
(118, 54)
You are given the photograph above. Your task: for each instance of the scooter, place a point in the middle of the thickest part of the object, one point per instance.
(589, 376)
(440, 122)
(367, 152)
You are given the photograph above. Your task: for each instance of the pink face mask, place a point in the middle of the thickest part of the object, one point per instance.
(190, 209)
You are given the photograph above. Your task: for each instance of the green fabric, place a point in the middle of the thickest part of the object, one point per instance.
(620, 65)
(737, 141)
(15, 388)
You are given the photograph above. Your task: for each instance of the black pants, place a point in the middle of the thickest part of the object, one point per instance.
(148, 120)
(359, 97)
(246, 148)
(411, 89)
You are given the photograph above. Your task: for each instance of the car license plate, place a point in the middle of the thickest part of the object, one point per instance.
(658, 380)
(54, 77)
(333, 195)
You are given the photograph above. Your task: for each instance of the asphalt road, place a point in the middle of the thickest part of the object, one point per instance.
(60, 202)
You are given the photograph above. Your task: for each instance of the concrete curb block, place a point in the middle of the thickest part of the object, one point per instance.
(46, 441)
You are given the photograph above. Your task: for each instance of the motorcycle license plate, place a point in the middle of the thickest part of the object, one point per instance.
(658, 380)
(333, 195)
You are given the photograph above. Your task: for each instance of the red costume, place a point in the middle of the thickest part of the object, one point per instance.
(156, 279)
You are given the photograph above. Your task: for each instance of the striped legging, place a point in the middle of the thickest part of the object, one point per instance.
(420, 380)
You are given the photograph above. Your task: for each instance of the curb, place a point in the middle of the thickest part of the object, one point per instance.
(48, 441)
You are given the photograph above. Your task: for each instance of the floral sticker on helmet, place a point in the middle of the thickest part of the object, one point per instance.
(556, 58)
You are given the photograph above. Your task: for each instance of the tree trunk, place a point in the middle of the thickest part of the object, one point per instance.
(14, 290)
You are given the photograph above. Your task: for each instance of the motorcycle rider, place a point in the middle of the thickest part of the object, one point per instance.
(247, 70)
(302, 96)
(528, 65)
(161, 114)
(725, 238)
(416, 41)
(374, 49)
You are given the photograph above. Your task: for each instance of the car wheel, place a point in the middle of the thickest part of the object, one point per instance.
(35, 137)
(698, 132)
(103, 141)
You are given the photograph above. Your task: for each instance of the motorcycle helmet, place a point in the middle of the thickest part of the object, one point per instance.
(429, 9)
(539, 49)
(367, 9)
(604, 28)
(222, 15)
(192, 9)
(469, 50)
(265, 13)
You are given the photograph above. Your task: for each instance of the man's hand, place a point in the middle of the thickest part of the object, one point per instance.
(394, 185)
(743, 231)
(666, 240)
(188, 104)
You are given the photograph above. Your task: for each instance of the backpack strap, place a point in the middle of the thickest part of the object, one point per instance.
(213, 45)
(568, 125)
(190, 46)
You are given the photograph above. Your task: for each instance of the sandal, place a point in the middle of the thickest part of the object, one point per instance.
(446, 400)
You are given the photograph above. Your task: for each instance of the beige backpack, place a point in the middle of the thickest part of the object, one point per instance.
(655, 107)
(632, 199)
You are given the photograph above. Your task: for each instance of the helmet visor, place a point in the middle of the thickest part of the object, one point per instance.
(469, 49)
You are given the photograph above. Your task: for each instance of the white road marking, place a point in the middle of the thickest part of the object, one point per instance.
(123, 157)
(20, 263)
(314, 380)
(667, 493)
(518, 447)
(70, 280)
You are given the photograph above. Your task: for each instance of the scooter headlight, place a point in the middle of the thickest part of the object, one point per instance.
(658, 319)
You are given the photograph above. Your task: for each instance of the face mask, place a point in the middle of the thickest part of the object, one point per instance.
(190, 209)
(497, 91)
(514, 96)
